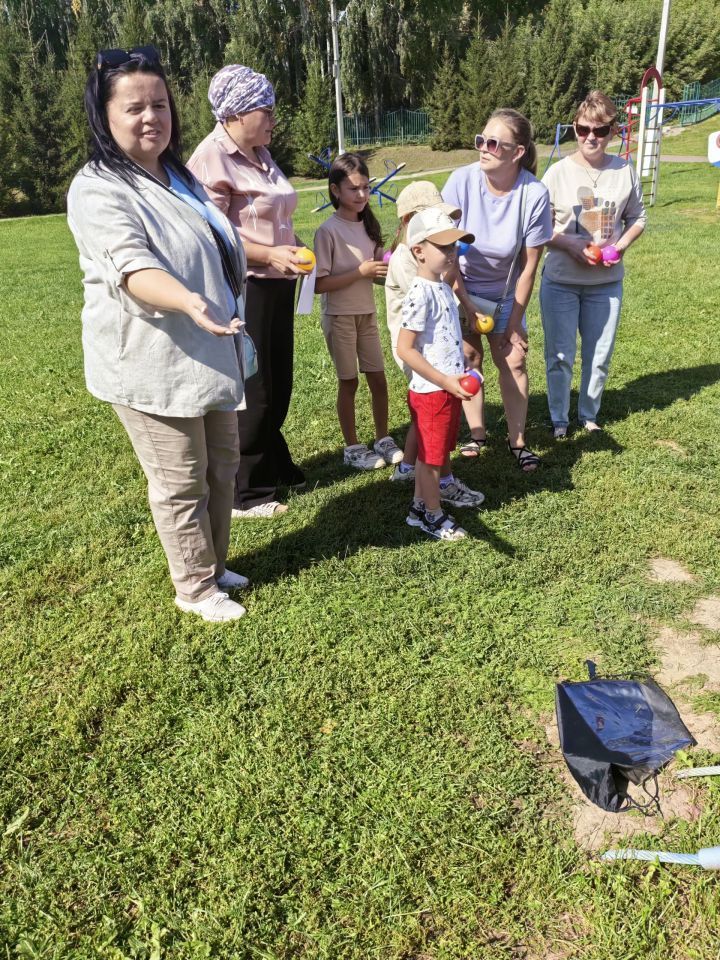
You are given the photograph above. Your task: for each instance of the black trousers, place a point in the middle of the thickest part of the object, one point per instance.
(265, 460)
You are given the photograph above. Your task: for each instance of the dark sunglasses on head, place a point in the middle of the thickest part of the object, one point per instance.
(108, 59)
(582, 131)
(492, 144)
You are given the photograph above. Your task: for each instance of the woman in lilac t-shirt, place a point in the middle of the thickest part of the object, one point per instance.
(494, 194)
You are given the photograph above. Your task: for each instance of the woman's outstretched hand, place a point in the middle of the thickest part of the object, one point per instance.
(199, 311)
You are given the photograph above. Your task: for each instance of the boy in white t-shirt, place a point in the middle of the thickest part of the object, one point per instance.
(430, 343)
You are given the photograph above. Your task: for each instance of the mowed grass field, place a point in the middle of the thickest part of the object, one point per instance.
(357, 769)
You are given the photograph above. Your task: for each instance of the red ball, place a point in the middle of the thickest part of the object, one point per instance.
(471, 382)
(594, 252)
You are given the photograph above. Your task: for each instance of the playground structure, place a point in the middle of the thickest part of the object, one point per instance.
(325, 161)
(641, 133)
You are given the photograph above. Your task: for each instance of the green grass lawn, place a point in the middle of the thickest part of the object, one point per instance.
(357, 769)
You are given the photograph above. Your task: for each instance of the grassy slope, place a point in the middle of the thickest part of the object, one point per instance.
(350, 772)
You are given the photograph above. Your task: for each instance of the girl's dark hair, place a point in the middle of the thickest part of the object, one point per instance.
(522, 132)
(340, 169)
(103, 148)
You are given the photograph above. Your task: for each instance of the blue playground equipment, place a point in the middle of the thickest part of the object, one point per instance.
(324, 158)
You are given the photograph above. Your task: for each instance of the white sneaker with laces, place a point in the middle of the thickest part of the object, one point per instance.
(388, 450)
(361, 458)
(443, 527)
(403, 475)
(270, 509)
(232, 581)
(217, 608)
(460, 495)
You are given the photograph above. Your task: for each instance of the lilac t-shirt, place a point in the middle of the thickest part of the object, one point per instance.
(494, 222)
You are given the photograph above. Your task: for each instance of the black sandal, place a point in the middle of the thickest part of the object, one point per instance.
(526, 459)
(472, 448)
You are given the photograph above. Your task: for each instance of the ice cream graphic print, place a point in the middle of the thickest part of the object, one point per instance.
(595, 216)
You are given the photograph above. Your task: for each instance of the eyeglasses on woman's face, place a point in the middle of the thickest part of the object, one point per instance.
(110, 59)
(600, 132)
(492, 144)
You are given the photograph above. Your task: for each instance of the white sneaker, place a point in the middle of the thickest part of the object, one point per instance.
(388, 450)
(359, 457)
(232, 581)
(461, 495)
(403, 475)
(443, 528)
(270, 509)
(217, 608)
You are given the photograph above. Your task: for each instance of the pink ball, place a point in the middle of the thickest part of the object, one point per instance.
(610, 254)
(386, 256)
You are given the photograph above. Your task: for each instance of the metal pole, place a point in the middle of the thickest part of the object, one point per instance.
(660, 60)
(336, 75)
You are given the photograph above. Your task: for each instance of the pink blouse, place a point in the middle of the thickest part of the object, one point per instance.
(257, 197)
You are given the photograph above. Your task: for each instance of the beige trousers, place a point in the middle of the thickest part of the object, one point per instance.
(190, 464)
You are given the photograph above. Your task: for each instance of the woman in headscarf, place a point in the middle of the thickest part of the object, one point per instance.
(235, 166)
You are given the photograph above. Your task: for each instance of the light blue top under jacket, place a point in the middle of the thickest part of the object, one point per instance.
(156, 361)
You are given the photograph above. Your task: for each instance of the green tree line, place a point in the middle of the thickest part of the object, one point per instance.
(459, 58)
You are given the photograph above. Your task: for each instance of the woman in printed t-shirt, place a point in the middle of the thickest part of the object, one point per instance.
(501, 199)
(238, 172)
(596, 199)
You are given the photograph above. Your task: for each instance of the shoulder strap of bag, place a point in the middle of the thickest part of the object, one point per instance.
(519, 238)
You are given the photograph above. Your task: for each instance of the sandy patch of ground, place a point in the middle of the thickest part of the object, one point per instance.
(707, 613)
(663, 570)
(671, 445)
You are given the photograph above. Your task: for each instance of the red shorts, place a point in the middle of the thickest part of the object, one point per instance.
(436, 417)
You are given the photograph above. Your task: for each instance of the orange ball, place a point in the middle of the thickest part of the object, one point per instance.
(308, 259)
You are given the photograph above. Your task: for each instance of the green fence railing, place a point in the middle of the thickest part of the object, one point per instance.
(698, 91)
(394, 126)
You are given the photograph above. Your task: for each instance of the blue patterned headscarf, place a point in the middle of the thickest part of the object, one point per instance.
(236, 89)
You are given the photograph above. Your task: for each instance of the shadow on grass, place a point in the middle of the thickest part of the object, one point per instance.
(372, 514)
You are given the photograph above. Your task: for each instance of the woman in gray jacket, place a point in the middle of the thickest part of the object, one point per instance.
(164, 277)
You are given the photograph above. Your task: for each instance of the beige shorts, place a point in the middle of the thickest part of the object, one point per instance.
(353, 341)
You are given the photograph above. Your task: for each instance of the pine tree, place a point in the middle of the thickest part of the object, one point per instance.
(559, 66)
(476, 98)
(444, 107)
(313, 126)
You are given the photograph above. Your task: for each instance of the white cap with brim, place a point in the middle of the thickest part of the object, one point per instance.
(435, 225)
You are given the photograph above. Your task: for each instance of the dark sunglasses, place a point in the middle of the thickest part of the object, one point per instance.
(582, 131)
(109, 59)
(492, 144)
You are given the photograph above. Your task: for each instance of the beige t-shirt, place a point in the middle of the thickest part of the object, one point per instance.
(341, 246)
(596, 204)
(402, 270)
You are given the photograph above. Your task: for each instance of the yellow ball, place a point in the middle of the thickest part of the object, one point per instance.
(308, 258)
(484, 323)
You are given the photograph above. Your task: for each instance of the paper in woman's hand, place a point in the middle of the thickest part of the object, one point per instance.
(307, 292)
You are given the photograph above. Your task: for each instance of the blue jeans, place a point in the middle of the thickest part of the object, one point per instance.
(594, 311)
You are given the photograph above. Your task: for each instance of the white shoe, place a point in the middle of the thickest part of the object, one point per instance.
(444, 527)
(359, 457)
(403, 475)
(461, 495)
(270, 509)
(217, 608)
(232, 581)
(388, 450)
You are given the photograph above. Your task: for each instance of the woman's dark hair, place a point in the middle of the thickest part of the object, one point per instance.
(340, 169)
(103, 148)
(522, 132)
